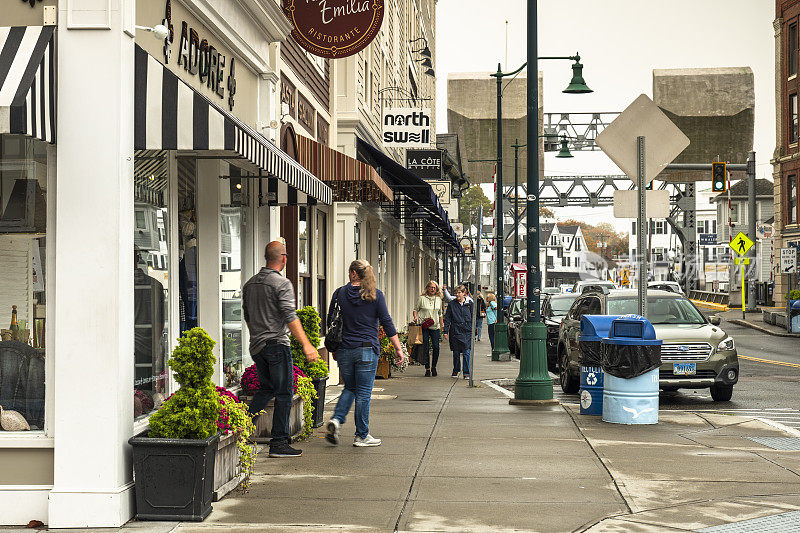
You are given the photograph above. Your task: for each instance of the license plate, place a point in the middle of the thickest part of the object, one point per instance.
(684, 369)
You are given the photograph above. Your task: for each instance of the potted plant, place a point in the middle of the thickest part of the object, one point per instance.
(174, 460)
(317, 370)
(236, 451)
(263, 421)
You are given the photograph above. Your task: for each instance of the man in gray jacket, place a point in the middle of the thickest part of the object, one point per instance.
(269, 305)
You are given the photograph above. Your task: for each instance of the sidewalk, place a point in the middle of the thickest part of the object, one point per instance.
(460, 459)
(755, 321)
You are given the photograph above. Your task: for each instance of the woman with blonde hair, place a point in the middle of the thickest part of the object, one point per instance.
(363, 309)
(428, 313)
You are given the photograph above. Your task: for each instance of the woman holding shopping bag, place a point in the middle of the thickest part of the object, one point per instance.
(491, 316)
(428, 313)
(458, 330)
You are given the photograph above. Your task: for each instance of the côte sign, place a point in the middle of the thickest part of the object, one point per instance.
(334, 28)
(427, 164)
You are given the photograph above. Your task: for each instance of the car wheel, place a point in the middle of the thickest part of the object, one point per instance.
(721, 393)
(569, 384)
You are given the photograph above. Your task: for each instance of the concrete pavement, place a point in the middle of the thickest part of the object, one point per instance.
(460, 459)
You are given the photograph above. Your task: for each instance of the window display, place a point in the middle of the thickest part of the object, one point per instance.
(150, 281)
(23, 231)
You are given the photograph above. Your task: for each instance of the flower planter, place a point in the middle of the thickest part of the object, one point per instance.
(227, 474)
(263, 422)
(319, 403)
(384, 369)
(174, 478)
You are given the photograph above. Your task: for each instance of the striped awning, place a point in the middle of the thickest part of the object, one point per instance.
(170, 115)
(27, 81)
(350, 179)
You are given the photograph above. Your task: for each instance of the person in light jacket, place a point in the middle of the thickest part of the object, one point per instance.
(363, 310)
(429, 307)
(491, 316)
(458, 331)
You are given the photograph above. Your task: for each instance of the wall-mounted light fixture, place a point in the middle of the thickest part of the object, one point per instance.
(159, 31)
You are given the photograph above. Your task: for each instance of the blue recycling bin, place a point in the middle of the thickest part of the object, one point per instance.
(593, 329)
(631, 357)
(793, 316)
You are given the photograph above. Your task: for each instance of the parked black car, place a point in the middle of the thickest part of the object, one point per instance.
(554, 308)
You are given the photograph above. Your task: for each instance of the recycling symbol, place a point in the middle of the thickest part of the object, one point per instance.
(586, 399)
(591, 378)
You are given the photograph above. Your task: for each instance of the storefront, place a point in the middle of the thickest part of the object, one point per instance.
(142, 221)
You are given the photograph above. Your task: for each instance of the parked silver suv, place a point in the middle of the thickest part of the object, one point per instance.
(696, 353)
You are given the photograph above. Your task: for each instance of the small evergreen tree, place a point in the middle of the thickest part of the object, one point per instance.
(309, 319)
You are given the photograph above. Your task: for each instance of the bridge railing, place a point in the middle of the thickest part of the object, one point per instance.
(721, 298)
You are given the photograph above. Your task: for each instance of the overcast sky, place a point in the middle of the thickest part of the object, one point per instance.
(620, 43)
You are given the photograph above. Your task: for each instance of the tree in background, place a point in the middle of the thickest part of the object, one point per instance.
(617, 242)
(469, 204)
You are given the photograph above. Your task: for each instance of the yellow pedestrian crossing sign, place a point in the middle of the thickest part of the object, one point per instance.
(741, 243)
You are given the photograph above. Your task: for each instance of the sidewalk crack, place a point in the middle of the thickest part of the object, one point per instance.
(422, 458)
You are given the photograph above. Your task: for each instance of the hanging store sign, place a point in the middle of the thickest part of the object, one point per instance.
(334, 28)
(406, 127)
(442, 189)
(764, 231)
(427, 164)
(198, 57)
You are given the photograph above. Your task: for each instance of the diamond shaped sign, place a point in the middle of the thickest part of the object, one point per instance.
(741, 244)
(664, 141)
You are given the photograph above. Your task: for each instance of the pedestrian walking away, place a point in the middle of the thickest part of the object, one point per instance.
(458, 330)
(481, 303)
(491, 317)
(269, 306)
(363, 310)
(429, 314)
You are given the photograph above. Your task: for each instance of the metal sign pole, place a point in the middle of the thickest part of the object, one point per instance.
(477, 251)
(641, 236)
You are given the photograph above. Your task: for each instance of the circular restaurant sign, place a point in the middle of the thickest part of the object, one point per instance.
(334, 28)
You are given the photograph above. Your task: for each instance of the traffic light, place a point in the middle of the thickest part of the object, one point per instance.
(719, 177)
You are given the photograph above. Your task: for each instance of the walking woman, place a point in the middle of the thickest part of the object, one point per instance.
(481, 303)
(458, 330)
(491, 316)
(428, 313)
(363, 309)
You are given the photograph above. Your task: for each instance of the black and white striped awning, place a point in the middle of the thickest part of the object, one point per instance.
(27, 81)
(170, 115)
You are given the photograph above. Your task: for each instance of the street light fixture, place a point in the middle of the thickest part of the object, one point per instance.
(564, 152)
(533, 384)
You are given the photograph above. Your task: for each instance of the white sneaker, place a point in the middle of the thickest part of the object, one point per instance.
(369, 440)
(332, 435)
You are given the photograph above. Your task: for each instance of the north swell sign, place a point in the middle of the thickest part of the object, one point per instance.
(406, 127)
(334, 28)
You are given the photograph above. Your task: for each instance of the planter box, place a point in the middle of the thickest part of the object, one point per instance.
(319, 403)
(227, 475)
(263, 421)
(174, 478)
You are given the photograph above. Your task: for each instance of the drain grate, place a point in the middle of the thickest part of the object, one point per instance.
(777, 523)
(778, 443)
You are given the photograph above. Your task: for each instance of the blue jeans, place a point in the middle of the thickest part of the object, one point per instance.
(457, 362)
(490, 328)
(478, 327)
(274, 366)
(357, 367)
(431, 338)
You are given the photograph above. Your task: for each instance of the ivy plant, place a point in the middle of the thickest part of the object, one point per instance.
(306, 390)
(192, 412)
(310, 320)
(237, 419)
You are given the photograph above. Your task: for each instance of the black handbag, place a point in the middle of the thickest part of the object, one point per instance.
(333, 338)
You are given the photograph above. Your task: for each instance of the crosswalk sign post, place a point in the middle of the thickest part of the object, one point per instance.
(741, 244)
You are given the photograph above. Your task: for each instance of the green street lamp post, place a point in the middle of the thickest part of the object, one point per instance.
(533, 384)
(516, 146)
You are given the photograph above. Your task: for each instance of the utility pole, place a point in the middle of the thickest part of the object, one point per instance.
(751, 230)
(500, 328)
(517, 146)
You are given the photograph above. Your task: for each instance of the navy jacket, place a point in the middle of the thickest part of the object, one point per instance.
(360, 319)
(458, 324)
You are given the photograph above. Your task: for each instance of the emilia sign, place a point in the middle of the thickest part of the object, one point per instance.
(334, 28)
(406, 127)
(199, 58)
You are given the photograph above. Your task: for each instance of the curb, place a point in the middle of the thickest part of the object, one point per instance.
(762, 329)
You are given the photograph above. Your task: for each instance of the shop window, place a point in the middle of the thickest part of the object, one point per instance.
(735, 213)
(23, 236)
(791, 199)
(322, 269)
(793, 129)
(304, 256)
(791, 52)
(234, 256)
(150, 282)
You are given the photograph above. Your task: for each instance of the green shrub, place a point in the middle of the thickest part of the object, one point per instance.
(306, 390)
(192, 412)
(794, 294)
(309, 319)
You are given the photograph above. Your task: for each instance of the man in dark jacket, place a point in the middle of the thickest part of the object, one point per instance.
(458, 330)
